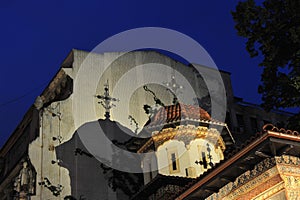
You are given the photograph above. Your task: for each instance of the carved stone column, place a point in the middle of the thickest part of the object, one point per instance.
(289, 170)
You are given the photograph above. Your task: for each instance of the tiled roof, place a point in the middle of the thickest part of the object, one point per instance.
(268, 130)
(271, 127)
(178, 112)
(230, 164)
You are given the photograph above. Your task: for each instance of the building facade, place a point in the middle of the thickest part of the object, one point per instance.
(46, 156)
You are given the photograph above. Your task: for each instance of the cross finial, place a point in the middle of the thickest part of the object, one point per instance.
(173, 87)
(106, 100)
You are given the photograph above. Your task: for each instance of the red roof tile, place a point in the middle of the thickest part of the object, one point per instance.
(178, 112)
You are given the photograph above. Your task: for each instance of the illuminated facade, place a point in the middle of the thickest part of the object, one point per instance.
(195, 156)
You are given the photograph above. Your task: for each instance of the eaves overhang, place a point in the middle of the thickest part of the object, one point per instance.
(268, 144)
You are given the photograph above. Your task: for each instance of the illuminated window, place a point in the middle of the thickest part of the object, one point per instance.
(173, 161)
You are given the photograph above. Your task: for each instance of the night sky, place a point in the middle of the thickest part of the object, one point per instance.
(37, 36)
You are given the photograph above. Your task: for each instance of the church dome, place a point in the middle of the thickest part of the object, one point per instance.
(178, 112)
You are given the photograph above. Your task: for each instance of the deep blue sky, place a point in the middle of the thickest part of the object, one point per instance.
(36, 37)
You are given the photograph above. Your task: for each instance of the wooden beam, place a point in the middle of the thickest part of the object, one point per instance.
(262, 154)
(285, 149)
(226, 179)
(273, 148)
(212, 189)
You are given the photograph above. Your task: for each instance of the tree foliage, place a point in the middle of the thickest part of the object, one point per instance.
(272, 30)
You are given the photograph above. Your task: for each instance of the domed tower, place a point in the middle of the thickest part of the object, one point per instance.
(185, 142)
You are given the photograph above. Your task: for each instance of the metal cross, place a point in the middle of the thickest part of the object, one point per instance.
(106, 100)
(173, 87)
(204, 160)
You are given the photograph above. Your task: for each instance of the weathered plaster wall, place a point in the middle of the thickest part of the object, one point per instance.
(61, 119)
(56, 121)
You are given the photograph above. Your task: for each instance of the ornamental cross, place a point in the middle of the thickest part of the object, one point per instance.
(173, 86)
(106, 100)
(204, 160)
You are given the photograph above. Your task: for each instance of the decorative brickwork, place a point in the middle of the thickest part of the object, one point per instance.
(275, 181)
(185, 133)
(255, 186)
(188, 134)
(165, 192)
(289, 169)
(267, 178)
(271, 192)
(250, 181)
